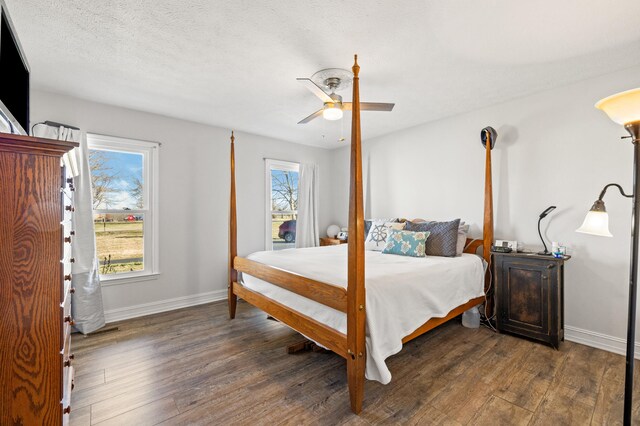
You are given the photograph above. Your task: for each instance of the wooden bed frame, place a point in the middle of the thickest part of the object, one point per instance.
(350, 346)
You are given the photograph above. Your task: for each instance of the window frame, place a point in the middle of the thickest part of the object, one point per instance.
(150, 224)
(271, 164)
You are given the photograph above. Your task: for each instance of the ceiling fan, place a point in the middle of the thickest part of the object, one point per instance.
(324, 84)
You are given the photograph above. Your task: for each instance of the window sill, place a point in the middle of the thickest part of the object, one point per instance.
(111, 281)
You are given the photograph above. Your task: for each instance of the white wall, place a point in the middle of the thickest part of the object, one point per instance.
(553, 148)
(194, 197)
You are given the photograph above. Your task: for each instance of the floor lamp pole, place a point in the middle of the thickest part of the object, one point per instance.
(631, 326)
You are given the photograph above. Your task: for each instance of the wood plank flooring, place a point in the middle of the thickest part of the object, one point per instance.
(195, 366)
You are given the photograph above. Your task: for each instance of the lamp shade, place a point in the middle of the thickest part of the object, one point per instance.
(332, 112)
(596, 223)
(332, 231)
(623, 107)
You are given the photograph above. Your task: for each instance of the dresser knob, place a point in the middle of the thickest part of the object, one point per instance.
(70, 181)
(67, 277)
(72, 260)
(67, 239)
(67, 363)
(72, 290)
(70, 208)
(66, 410)
(68, 319)
(72, 233)
(72, 356)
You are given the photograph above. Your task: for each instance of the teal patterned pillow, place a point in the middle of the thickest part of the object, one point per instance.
(406, 243)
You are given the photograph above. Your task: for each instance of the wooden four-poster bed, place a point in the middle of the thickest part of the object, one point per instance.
(351, 301)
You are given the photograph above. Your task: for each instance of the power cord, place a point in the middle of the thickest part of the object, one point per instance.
(484, 320)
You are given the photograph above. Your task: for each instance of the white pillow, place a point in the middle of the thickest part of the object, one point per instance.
(463, 231)
(377, 236)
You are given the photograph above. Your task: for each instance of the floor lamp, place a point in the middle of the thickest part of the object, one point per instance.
(624, 109)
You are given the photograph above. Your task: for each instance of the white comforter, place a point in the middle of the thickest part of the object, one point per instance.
(402, 293)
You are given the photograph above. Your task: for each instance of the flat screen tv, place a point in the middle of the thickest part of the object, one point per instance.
(14, 78)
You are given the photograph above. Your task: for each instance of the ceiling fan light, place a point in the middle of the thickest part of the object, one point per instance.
(332, 112)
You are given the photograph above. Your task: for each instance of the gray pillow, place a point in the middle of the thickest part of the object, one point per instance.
(443, 236)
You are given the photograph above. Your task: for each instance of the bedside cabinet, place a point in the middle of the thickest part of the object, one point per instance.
(326, 241)
(530, 296)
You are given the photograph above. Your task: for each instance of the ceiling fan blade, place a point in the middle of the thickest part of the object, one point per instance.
(316, 114)
(370, 106)
(315, 89)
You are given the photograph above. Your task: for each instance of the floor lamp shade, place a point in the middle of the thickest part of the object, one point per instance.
(623, 107)
(597, 220)
(596, 223)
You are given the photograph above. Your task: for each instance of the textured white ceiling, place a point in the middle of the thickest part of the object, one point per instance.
(233, 63)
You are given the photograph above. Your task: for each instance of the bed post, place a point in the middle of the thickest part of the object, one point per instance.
(487, 229)
(355, 286)
(233, 235)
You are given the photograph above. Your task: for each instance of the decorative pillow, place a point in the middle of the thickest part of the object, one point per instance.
(443, 238)
(377, 236)
(406, 243)
(368, 222)
(463, 231)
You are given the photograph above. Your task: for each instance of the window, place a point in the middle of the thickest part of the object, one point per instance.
(124, 176)
(282, 204)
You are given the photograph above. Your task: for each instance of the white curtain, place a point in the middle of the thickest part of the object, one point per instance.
(307, 234)
(86, 303)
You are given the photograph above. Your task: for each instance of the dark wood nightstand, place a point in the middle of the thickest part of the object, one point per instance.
(326, 241)
(530, 295)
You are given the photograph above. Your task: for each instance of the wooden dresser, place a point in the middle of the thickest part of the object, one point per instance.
(36, 203)
(530, 296)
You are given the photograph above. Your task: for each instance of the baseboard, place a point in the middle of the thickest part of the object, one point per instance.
(598, 340)
(163, 306)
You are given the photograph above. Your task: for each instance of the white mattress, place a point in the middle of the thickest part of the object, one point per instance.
(402, 293)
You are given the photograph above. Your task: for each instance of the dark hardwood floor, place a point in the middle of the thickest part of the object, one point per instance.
(195, 366)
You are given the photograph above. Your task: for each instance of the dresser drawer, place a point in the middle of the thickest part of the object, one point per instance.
(68, 236)
(67, 386)
(65, 307)
(66, 343)
(66, 270)
(67, 209)
(67, 195)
